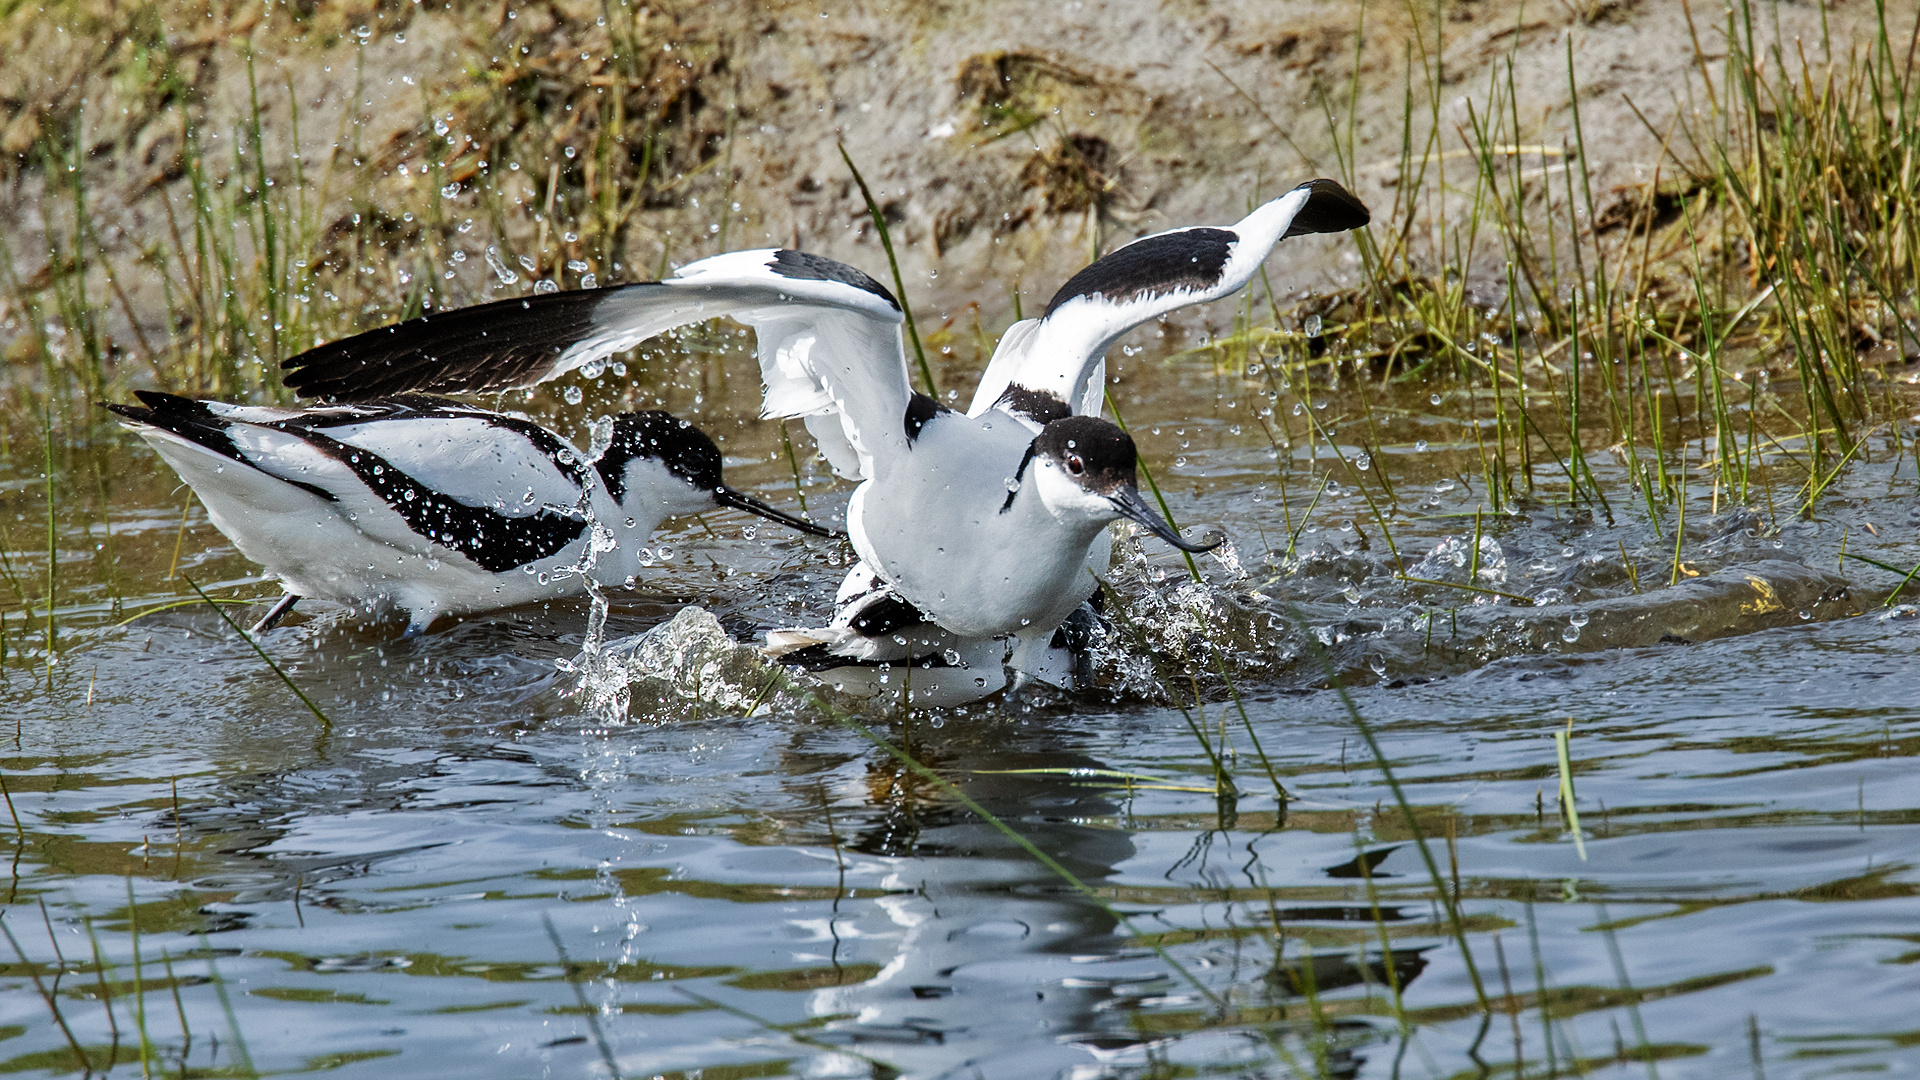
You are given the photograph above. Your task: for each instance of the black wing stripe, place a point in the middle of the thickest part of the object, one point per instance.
(800, 266)
(423, 407)
(1155, 266)
(496, 346)
(496, 542)
(1039, 406)
(194, 422)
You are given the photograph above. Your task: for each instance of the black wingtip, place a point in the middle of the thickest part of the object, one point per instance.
(1330, 208)
(160, 407)
(163, 403)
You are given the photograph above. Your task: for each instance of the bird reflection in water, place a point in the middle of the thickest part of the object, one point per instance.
(971, 922)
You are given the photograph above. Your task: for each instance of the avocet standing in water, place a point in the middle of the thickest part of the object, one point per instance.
(977, 526)
(429, 507)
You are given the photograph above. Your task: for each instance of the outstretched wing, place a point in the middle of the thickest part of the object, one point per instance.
(829, 343)
(1056, 364)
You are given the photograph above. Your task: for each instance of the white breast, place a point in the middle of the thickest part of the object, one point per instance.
(931, 524)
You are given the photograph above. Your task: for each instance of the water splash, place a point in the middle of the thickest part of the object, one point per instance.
(600, 675)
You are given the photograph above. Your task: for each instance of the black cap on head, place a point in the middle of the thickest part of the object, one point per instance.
(687, 453)
(684, 449)
(1092, 451)
(1101, 458)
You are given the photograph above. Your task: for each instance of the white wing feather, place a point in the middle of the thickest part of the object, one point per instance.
(826, 348)
(1064, 352)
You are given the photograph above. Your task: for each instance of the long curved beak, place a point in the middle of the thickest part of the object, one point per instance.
(1128, 501)
(727, 496)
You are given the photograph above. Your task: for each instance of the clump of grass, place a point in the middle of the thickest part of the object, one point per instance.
(1765, 269)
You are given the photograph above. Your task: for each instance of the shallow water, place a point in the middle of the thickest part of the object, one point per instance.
(462, 875)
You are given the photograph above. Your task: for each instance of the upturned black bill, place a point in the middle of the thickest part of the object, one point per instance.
(727, 496)
(1128, 501)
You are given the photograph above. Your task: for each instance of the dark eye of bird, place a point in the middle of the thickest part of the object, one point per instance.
(1075, 465)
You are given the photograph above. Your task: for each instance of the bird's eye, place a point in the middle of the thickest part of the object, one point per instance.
(1075, 465)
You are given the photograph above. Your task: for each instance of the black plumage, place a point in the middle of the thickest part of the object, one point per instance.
(801, 266)
(1155, 266)
(496, 346)
(193, 421)
(495, 542)
(1330, 208)
(920, 409)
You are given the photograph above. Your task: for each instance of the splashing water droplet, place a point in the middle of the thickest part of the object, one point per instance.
(500, 270)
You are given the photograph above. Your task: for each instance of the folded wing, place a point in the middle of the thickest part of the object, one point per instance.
(1058, 361)
(405, 474)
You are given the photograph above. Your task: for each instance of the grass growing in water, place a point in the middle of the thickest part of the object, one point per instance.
(1663, 381)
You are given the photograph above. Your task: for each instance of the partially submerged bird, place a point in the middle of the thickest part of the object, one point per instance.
(429, 507)
(981, 526)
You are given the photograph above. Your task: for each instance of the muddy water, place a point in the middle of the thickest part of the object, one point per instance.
(461, 874)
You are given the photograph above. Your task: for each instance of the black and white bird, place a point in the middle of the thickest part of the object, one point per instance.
(978, 526)
(425, 506)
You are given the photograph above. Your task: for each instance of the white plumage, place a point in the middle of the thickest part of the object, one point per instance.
(979, 525)
(432, 508)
